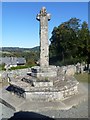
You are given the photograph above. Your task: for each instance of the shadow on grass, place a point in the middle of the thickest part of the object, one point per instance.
(29, 116)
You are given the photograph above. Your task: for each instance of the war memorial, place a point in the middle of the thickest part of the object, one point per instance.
(43, 83)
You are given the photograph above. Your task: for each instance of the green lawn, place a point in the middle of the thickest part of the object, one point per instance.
(85, 77)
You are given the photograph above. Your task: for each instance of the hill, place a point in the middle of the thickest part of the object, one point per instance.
(17, 49)
(30, 54)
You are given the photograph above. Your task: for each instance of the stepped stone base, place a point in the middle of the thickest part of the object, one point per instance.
(44, 84)
(45, 91)
(51, 95)
(38, 72)
(44, 96)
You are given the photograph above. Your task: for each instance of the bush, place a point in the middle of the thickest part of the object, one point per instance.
(30, 62)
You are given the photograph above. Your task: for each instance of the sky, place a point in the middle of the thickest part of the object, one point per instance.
(45, 0)
(20, 27)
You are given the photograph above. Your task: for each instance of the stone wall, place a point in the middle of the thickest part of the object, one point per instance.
(39, 72)
(43, 84)
(44, 96)
(69, 70)
(15, 73)
(52, 96)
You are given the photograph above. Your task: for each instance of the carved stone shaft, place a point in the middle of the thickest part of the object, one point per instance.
(43, 17)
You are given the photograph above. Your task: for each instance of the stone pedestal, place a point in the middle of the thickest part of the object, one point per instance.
(46, 72)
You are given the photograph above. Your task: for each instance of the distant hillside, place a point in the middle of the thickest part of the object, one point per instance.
(17, 49)
(35, 48)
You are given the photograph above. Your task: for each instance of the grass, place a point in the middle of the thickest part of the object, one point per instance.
(19, 67)
(2, 67)
(85, 77)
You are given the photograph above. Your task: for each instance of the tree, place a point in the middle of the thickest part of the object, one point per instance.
(69, 40)
(83, 44)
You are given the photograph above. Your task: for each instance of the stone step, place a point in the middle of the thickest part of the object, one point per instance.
(43, 106)
(11, 98)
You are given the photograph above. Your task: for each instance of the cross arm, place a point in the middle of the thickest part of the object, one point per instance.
(38, 17)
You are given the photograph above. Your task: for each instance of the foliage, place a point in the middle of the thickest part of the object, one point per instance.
(31, 56)
(2, 66)
(31, 62)
(69, 42)
(17, 49)
(20, 67)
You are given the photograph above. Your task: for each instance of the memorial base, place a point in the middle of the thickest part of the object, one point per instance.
(47, 72)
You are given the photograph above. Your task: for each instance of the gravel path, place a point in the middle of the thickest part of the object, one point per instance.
(79, 111)
(5, 112)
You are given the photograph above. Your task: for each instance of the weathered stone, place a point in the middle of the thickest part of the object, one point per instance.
(38, 72)
(44, 17)
(70, 70)
(62, 70)
(44, 96)
(78, 67)
(43, 84)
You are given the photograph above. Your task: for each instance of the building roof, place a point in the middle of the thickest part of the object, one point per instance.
(12, 60)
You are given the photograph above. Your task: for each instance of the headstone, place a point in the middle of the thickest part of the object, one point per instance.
(82, 68)
(89, 68)
(44, 17)
(70, 71)
(78, 67)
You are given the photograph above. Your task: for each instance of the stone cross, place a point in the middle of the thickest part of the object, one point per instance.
(44, 17)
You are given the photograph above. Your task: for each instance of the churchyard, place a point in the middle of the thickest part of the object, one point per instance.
(80, 110)
(84, 78)
(46, 87)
